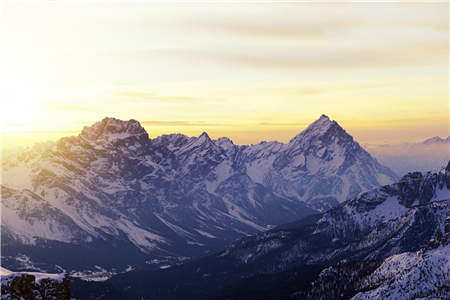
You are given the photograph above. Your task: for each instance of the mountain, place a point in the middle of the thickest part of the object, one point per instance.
(437, 140)
(394, 218)
(410, 275)
(409, 157)
(157, 202)
(375, 244)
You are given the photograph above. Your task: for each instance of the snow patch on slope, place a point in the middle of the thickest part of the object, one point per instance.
(223, 171)
(6, 274)
(409, 275)
(388, 210)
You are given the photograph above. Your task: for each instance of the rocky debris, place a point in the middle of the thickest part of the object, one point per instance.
(16, 285)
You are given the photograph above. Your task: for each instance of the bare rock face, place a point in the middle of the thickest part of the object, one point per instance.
(112, 189)
(446, 236)
(27, 287)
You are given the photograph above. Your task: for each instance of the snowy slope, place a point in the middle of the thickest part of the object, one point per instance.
(395, 218)
(410, 276)
(422, 274)
(388, 243)
(174, 196)
(33, 285)
(7, 275)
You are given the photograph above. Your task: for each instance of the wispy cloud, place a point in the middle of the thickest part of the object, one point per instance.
(244, 27)
(281, 124)
(180, 123)
(147, 96)
(63, 107)
(306, 91)
(306, 20)
(322, 59)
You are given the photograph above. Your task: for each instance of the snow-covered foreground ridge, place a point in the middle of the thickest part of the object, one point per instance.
(410, 276)
(422, 274)
(6, 274)
(174, 196)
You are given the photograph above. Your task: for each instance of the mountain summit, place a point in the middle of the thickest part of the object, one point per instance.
(316, 129)
(169, 198)
(113, 128)
(324, 132)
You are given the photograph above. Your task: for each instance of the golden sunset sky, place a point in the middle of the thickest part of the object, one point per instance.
(252, 71)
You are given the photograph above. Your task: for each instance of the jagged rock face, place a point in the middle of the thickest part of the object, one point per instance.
(174, 196)
(376, 224)
(383, 244)
(25, 286)
(447, 229)
(323, 165)
(339, 282)
(413, 275)
(418, 188)
(410, 275)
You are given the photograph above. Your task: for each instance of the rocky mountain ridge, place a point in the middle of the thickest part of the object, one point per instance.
(164, 200)
(437, 140)
(372, 246)
(408, 275)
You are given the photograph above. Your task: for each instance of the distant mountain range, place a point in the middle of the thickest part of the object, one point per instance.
(389, 243)
(402, 158)
(437, 140)
(149, 203)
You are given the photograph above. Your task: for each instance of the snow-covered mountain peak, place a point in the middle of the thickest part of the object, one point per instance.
(323, 127)
(203, 142)
(204, 137)
(174, 193)
(437, 140)
(324, 119)
(325, 147)
(171, 141)
(200, 150)
(112, 128)
(225, 143)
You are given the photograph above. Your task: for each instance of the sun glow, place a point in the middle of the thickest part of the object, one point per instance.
(223, 70)
(19, 106)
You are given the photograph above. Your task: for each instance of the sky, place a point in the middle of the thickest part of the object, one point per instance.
(251, 71)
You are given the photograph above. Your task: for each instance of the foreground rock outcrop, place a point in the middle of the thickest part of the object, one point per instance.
(34, 286)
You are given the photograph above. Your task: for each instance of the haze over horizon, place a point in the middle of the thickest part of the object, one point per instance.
(249, 72)
(19, 141)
